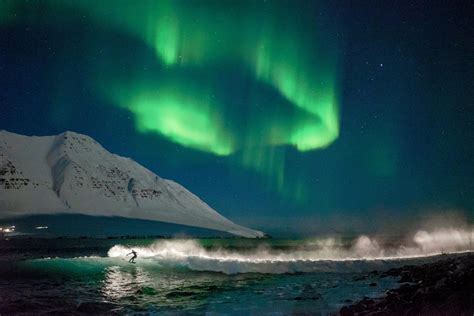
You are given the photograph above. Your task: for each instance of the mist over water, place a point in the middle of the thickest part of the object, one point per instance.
(231, 276)
(312, 255)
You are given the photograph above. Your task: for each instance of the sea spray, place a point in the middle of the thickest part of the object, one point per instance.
(220, 275)
(328, 255)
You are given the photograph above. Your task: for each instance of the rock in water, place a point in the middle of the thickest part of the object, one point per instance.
(444, 287)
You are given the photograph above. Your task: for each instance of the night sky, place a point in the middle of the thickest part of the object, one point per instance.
(287, 116)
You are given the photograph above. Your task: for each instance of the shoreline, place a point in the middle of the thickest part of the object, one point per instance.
(443, 287)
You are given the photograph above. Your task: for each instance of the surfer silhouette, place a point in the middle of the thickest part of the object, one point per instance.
(132, 259)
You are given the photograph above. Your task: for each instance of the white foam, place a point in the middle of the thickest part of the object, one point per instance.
(323, 255)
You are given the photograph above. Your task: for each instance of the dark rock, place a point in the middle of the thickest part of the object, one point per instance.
(445, 287)
(405, 276)
(346, 311)
(367, 302)
(441, 283)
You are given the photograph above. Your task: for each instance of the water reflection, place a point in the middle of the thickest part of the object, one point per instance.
(153, 290)
(107, 285)
(120, 283)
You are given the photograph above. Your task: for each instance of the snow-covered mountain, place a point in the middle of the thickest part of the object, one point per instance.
(72, 173)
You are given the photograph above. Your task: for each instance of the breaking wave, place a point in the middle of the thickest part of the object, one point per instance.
(328, 255)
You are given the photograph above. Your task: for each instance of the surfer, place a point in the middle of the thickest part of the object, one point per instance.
(132, 259)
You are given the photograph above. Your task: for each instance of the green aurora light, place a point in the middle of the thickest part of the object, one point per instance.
(289, 53)
(269, 40)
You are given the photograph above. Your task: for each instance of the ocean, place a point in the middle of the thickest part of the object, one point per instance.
(198, 276)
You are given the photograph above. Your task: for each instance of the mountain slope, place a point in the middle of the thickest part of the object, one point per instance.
(72, 173)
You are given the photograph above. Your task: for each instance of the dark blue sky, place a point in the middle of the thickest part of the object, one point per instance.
(405, 90)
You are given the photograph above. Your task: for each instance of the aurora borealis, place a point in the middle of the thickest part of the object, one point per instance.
(186, 35)
(263, 108)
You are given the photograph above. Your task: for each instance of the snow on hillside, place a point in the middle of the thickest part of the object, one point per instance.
(72, 173)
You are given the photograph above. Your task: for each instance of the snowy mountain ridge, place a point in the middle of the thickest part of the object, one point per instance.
(72, 173)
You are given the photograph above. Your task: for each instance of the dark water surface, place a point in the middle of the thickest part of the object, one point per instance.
(222, 276)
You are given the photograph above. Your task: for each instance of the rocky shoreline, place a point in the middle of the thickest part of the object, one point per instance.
(444, 287)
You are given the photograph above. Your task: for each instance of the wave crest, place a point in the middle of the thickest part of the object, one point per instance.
(327, 254)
